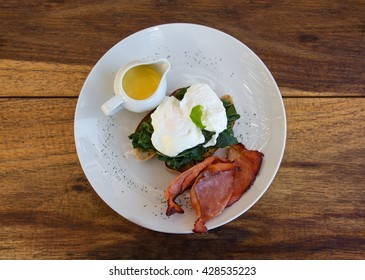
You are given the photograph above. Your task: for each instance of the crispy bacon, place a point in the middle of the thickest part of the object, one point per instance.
(183, 182)
(210, 193)
(249, 162)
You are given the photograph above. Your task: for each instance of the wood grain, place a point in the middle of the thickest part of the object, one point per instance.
(313, 210)
(308, 46)
(41, 79)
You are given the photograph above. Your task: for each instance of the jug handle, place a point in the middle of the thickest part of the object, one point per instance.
(113, 105)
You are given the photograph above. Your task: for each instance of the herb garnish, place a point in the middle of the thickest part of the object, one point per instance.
(196, 116)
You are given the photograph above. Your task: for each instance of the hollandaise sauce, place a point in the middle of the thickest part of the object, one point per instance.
(141, 82)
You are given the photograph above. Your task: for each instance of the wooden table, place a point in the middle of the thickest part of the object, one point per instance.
(314, 209)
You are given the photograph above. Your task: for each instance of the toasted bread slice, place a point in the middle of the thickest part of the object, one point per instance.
(146, 155)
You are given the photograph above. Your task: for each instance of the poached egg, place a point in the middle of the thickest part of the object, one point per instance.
(174, 130)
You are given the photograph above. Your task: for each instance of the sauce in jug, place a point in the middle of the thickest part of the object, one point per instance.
(140, 82)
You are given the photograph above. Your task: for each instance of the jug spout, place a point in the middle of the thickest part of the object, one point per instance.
(163, 66)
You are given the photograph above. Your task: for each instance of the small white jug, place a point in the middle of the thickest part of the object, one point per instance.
(123, 100)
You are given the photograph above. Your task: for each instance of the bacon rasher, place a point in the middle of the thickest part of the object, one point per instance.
(216, 183)
(249, 163)
(184, 181)
(210, 193)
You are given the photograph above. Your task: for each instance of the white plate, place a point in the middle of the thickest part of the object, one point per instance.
(198, 54)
